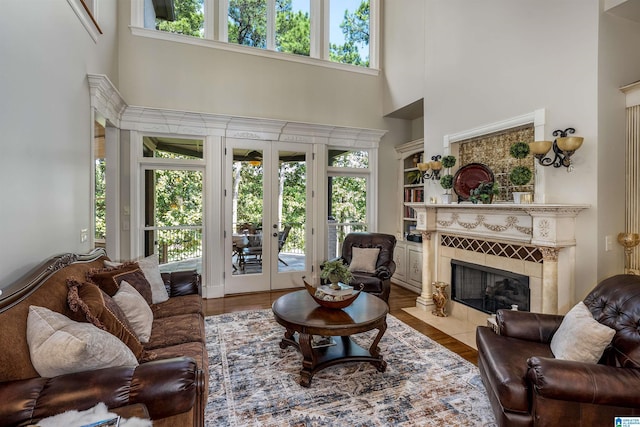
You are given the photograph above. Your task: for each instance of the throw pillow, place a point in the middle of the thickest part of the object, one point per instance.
(364, 259)
(108, 279)
(92, 304)
(59, 346)
(150, 269)
(90, 417)
(136, 310)
(580, 337)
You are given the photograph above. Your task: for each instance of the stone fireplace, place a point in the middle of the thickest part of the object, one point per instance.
(535, 241)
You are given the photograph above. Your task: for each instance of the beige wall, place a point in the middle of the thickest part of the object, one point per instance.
(403, 25)
(45, 118)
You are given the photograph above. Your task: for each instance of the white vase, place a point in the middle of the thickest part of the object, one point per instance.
(446, 199)
(520, 197)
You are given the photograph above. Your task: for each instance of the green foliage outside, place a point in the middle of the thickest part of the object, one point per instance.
(100, 199)
(247, 25)
(189, 19)
(355, 28)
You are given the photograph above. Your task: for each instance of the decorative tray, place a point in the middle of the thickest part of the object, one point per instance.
(468, 177)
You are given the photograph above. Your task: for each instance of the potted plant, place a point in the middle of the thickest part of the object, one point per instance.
(519, 175)
(446, 182)
(484, 192)
(336, 271)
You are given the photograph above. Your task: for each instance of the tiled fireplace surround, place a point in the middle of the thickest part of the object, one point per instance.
(535, 240)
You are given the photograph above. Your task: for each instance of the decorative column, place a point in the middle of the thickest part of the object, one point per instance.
(426, 297)
(549, 279)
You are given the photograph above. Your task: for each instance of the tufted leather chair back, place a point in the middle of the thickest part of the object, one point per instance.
(615, 302)
(386, 243)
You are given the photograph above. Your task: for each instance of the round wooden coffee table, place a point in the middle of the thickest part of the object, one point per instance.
(298, 312)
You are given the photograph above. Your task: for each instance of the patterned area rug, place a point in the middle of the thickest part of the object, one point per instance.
(255, 383)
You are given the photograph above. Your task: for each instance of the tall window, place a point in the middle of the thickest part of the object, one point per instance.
(342, 27)
(100, 183)
(348, 195)
(349, 32)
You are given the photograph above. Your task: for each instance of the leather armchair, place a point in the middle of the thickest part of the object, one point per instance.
(527, 386)
(379, 282)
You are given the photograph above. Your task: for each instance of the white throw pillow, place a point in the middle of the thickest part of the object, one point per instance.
(580, 337)
(136, 310)
(59, 345)
(364, 259)
(150, 269)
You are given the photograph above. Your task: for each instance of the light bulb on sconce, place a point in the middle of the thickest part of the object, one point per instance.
(563, 147)
(431, 170)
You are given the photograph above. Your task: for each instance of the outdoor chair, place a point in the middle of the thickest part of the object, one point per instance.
(282, 239)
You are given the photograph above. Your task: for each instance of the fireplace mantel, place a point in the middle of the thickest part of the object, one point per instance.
(548, 227)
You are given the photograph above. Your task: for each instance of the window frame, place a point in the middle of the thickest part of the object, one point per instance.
(216, 33)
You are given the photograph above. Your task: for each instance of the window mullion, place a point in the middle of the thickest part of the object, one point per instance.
(223, 21)
(209, 20)
(271, 24)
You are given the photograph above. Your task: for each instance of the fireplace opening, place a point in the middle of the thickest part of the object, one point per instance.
(488, 289)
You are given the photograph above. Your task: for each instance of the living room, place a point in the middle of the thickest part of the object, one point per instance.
(466, 64)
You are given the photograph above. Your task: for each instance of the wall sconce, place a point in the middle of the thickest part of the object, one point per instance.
(563, 147)
(431, 170)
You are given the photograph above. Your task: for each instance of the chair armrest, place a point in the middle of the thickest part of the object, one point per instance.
(384, 272)
(584, 382)
(153, 384)
(186, 282)
(528, 326)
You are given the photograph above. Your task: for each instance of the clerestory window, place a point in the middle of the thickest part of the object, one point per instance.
(338, 31)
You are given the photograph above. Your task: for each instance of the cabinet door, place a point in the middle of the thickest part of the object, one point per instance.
(415, 267)
(400, 257)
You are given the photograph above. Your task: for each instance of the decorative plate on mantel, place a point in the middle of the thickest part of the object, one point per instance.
(468, 177)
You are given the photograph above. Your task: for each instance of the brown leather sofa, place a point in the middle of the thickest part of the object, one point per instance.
(527, 386)
(379, 282)
(173, 386)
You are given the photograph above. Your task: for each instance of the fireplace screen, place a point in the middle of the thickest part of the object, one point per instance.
(488, 289)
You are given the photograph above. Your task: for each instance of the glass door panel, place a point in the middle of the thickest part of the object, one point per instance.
(347, 210)
(173, 217)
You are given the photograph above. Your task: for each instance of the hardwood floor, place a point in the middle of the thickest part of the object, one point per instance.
(400, 298)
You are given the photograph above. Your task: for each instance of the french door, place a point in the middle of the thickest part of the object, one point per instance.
(267, 215)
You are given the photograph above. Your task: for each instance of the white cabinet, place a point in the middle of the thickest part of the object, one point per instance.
(408, 252)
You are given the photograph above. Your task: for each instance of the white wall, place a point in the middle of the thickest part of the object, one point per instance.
(493, 60)
(45, 119)
(403, 52)
(618, 65)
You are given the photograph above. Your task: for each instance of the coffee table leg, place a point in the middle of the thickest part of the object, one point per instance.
(288, 339)
(308, 359)
(374, 350)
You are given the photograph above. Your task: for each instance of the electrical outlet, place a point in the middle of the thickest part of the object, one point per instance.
(608, 243)
(84, 235)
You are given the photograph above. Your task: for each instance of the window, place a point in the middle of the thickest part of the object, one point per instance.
(349, 32)
(349, 200)
(337, 31)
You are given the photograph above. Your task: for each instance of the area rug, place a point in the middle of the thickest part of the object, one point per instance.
(253, 382)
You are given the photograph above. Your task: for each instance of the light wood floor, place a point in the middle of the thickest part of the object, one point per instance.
(400, 298)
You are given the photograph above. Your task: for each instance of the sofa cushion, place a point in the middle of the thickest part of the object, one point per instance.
(185, 304)
(92, 304)
(364, 259)
(580, 337)
(168, 331)
(59, 345)
(151, 270)
(108, 279)
(504, 361)
(136, 310)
